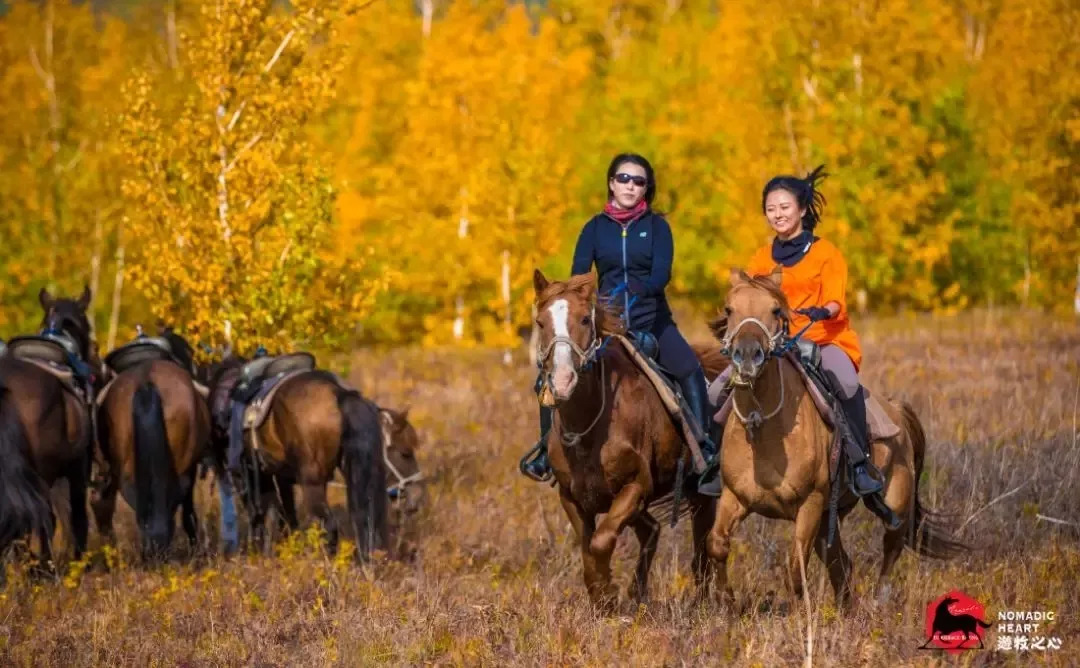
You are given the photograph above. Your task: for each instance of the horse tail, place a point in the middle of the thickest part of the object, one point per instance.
(926, 535)
(712, 360)
(365, 471)
(24, 502)
(153, 468)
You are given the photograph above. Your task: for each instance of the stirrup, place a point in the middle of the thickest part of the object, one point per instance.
(534, 453)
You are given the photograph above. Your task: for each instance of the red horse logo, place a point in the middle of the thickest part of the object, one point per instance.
(955, 622)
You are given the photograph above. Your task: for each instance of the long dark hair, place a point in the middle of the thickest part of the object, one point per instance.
(650, 188)
(805, 192)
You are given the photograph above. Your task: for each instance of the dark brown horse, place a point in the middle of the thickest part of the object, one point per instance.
(315, 426)
(613, 447)
(45, 435)
(153, 430)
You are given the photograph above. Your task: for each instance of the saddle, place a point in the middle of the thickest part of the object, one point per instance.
(259, 380)
(671, 398)
(52, 354)
(141, 350)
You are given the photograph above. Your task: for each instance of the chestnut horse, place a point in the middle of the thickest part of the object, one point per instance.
(45, 435)
(315, 426)
(153, 430)
(781, 469)
(613, 447)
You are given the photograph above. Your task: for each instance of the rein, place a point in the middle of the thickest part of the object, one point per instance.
(586, 356)
(777, 345)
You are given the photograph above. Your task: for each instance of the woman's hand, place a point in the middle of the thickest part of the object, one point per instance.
(816, 313)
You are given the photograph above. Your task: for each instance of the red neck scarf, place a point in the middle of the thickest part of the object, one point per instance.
(626, 216)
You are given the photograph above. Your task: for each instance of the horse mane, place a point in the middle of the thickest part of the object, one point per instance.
(608, 318)
(718, 325)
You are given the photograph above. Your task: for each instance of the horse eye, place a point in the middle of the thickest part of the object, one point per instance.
(539, 324)
(778, 312)
(586, 320)
(727, 311)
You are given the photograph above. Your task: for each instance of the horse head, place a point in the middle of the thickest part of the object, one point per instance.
(755, 320)
(64, 315)
(404, 478)
(570, 324)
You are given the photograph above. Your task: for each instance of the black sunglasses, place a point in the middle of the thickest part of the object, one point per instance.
(639, 181)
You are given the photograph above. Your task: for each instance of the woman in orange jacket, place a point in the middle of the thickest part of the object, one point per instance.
(815, 283)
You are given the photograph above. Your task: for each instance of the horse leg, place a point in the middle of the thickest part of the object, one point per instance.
(703, 516)
(729, 512)
(648, 534)
(624, 508)
(899, 493)
(188, 517)
(838, 562)
(807, 525)
(80, 523)
(892, 545)
(288, 506)
(584, 527)
(317, 507)
(104, 505)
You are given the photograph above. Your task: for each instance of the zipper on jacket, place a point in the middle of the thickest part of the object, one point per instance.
(626, 276)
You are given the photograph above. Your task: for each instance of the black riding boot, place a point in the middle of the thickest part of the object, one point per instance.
(535, 463)
(855, 411)
(695, 392)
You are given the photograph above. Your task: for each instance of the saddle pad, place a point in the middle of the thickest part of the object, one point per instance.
(255, 412)
(878, 423)
(669, 398)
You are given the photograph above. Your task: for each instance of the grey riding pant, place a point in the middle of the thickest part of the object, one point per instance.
(834, 361)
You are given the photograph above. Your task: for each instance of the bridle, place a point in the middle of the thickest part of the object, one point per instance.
(587, 357)
(397, 489)
(777, 344)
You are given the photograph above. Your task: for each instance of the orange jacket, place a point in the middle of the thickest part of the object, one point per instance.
(818, 278)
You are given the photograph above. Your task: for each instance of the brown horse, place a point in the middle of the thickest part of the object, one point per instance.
(613, 447)
(153, 430)
(45, 435)
(315, 426)
(780, 468)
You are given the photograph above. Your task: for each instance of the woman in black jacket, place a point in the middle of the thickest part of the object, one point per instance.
(632, 248)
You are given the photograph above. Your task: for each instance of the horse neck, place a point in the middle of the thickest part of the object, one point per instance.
(587, 401)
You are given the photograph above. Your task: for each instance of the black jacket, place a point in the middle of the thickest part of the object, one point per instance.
(640, 256)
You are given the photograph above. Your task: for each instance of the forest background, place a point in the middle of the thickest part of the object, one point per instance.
(333, 172)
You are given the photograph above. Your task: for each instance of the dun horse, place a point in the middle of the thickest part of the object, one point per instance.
(781, 470)
(613, 447)
(313, 426)
(45, 435)
(153, 429)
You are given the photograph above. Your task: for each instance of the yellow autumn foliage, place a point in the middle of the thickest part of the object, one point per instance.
(359, 170)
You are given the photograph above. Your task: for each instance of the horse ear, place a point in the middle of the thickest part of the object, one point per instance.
(386, 418)
(46, 299)
(84, 298)
(777, 275)
(738, 276)
(540, 282)
(584, 285)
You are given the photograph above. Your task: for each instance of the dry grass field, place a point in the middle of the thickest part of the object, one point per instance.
(496, 577)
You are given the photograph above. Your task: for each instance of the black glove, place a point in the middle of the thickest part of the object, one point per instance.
(815, 313)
